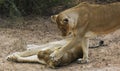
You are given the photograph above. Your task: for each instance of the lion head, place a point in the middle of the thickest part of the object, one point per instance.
(65, 22)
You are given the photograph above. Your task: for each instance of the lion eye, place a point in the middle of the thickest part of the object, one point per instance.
(65, 21)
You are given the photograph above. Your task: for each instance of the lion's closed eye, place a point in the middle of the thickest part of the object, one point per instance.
(65, 21)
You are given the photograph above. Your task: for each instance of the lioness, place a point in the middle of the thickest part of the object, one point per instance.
(40, 54)
(84, 21)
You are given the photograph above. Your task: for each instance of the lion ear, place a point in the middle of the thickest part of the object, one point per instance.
(53, 18)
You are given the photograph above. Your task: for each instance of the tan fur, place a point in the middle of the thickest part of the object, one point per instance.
(68, 57)
(84, 21)
(40, 54)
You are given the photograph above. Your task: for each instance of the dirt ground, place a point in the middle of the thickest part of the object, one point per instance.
(41, 30)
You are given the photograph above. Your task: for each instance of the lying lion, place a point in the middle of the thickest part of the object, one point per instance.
(40, 54)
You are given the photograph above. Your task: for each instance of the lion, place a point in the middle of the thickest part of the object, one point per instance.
(83, 22)
(40, 54)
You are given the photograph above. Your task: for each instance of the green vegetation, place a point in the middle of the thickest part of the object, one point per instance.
(17, 8)
(14, 8)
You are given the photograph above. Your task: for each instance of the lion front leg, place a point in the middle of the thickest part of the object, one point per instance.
(17, 55)
(30, 59)
(85, 45)
(28, 56)
(57, 54)
(13, 57)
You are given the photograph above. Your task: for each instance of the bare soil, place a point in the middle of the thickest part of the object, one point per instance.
(41, 30)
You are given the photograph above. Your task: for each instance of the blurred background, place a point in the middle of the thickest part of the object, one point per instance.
(28, 22)
(22, 8)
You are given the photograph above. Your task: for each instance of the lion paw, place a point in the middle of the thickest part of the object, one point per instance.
(13, 57)
(56, 55)
(82, 61)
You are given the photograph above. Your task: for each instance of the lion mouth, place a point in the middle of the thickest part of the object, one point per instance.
(66, 35)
